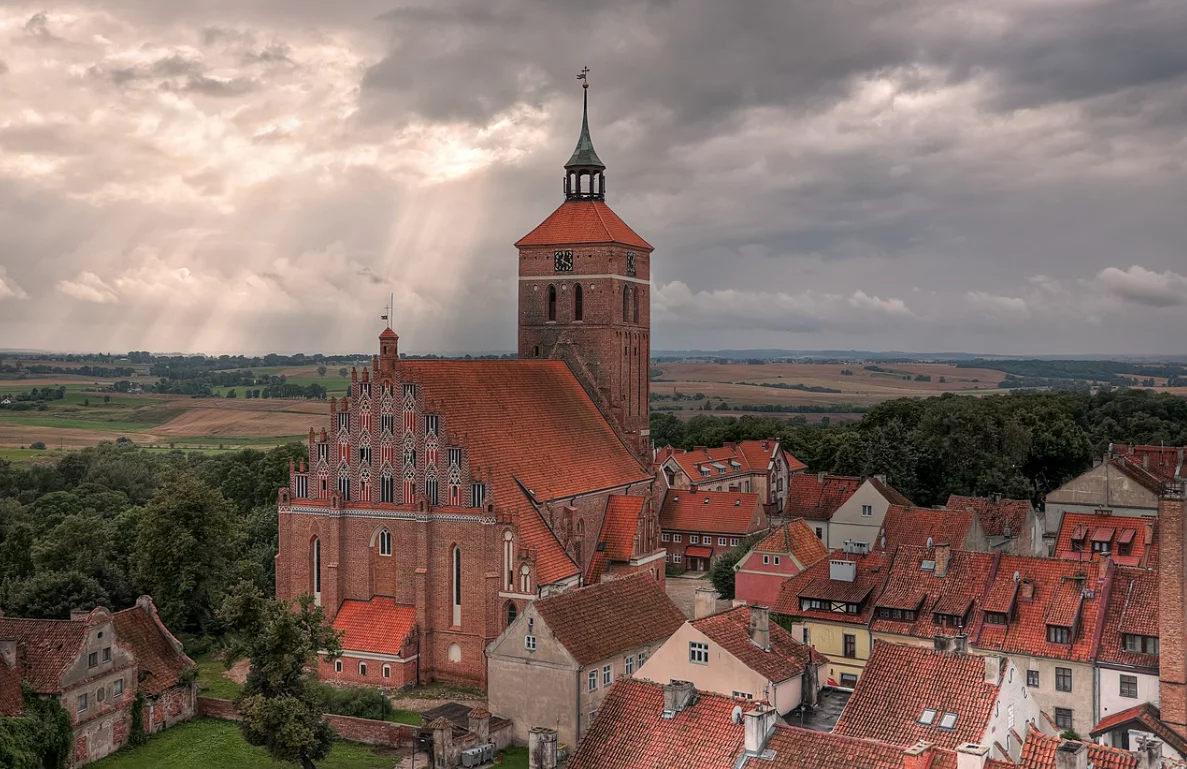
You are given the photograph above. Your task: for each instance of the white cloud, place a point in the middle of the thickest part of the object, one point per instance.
(88, 287)
(1141, 286)
(8, 287)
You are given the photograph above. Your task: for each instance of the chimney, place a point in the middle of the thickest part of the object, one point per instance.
(842, 571)
(918, 756)
(956, 644)
(993, 670)
(704, 602)
(1149, 753)
(760, 722)
(880, 478)
(79, 615)
(1172, 625)
(1071, 755)
(943, 555)
(1026, 590)
(971, 756)
(677, 696)
(541, 748)
(760, 627)
(479, 723)
(820, 477)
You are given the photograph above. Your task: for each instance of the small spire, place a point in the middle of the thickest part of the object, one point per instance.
(584, 173)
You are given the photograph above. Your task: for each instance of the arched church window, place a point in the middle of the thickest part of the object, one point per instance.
(578, 303)
(626, 303)
(552, 303)
(457, 585)
(635, 295)
(385, 542)
(512, 612)
(315, 568)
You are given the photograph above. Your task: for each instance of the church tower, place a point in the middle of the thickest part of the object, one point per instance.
(584, 295)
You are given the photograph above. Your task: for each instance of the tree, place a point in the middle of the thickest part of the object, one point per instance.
(53, 594)
(281, 708)
(321, 371)
(189, 540)
(722, 573)
(342, 372)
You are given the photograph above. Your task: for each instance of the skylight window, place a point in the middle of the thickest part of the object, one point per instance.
(948, 721)
(927, 717)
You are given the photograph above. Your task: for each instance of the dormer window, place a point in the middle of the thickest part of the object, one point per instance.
(996, 618)
(1140, 644)
(704, 471)
(1057, 634)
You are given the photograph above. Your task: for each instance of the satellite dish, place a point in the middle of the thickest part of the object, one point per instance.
(883, 541)
(931, 542)
(736, 714)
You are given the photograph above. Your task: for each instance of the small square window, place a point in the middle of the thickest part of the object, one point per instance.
(848, 680)
(867, 511)
(677, 537)
(107, 654)
(766, 559)
(948, 721)
(1063, 718)
(734, 541)
(1129, 686)
(695, 539)
(607, 675)
(721, 541)
(927, 717)
(743, 695)
(593, 680)
(529, 642)
(1032, 678)
(698, 652)
(387, 671)
(92, 659)
(363, 669)
(776, 560)
(665, 537)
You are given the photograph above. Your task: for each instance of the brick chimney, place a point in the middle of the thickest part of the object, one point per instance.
(1071, 755)
(760, 627)
(541, 748)
(760, 722)
(704, 602)
(993, 670)
(943, 556)
(919, 756)
(677, 696)
(971, 756)
(1172, 624)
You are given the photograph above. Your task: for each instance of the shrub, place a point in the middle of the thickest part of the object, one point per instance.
(352, 701)
(37, 445)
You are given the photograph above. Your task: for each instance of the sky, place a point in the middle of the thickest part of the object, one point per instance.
(918, 175)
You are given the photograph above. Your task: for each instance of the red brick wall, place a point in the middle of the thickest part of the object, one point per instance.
(211, 707)
(1172, 624)
(348, 728)
(402, 673)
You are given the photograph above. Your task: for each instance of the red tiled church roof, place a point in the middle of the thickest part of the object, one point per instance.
(815, 498)
(900, 682)
(785, 659)
(604, 620)
(377, 626)
(994, 515)
(161, 663)
(616, 541)
(582, 221)
(916, 525)
(713, 512)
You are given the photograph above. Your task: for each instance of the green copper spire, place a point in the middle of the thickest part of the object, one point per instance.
(585, 177)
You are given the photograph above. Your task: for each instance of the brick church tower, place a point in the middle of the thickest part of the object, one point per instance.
(584, 282)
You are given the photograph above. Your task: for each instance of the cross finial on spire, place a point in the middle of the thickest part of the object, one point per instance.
(584, 77)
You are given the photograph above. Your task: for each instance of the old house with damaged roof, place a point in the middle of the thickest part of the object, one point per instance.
(553, 666)
(447, 495)
(760, 467)
(699, 526)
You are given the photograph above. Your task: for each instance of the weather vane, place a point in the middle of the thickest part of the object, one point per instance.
(584, 77)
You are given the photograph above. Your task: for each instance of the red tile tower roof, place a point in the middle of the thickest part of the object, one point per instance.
(585, 222)
(604, 620)
(785, 659)
(713, 512)
(377, 626)
(817, 497)
(994, 515)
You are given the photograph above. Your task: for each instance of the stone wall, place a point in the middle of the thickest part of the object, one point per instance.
(365, 730)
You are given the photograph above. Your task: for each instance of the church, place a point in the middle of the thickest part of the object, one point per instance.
(503, 480)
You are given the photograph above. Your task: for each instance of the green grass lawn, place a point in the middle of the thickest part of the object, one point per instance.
(210, 744)
(20, 455)
(405, 717)
(515, 758)
(211, 680)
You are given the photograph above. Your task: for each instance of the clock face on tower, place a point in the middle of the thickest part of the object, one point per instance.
(562, 261)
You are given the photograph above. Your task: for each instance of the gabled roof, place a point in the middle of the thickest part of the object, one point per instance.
(604, 620)
(731, 459)
(377, 626)
(899, 683)
(1142, 476)
(1038, 752)
(795, 748)
(584, 222)
(47, 646)
(794, 465)
(713, 512)
(905, 525)
(817, 497)
(814, 582)
(158, 654)
(785, 659)
(616, 541)
(958, 591)
(1145, 717)
(1132, 609)
(994, 515)
(888, 492)
(1161, 462)
(794, 538)
(630, 732)
(1139, 535)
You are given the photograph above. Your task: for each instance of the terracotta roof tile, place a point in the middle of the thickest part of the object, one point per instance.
(889, 493)
(630, 732)
(899, 682)
(794, 465)
(48, 646)
(616, 541)
(1145, 717)
(626, 613)
(796, 748)
(814, 582)
(159, 660)
(994, 515)
(378, 626)
(1137, 537)
(905, 525)
(12, 699)
(1066, 600)
(954, 594)
(582, 221)
(796, 539)
(1132, 609)
(785, 659)
(1160, 462)
(815, 498)
(736, 459)
(1038, 752)
(1143, 477)
(713, 512)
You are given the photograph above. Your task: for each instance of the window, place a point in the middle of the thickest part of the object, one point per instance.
(431, 489)
(995, 618)
(363, 669)
(850, 645)
(628, 665)
(477, 494)
(529, 642)
(455, 456)
(867, 511)
(734, 541)
(387, 487)
(776, 560)
(365, 454)
(642, 659)
(694, 538)
(1143, 644)
(1063, 679)
(512, 612)
(593, 680)
(117, 688)
(948, 721)
(677, 558)
(387, 671)
(743, 695)
(677, 537)
(107, 654)
(82, 703)
(607, 675)
(457, 585)
(1129, 686)
(722, 541)
(1032, 678)
(927, 717)
(552, 304)
(432, 424)
(316, 567)
(578, 303)
(635, 296)
(766, 559)
(665, 537)
(819, 533)
(385, 542)
(626, 303)
(1063, 718)
(698, 652)
(848, 680)
(1059, 635)
(92, 659)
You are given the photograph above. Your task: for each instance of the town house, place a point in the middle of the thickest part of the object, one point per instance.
(842, 509)
(783, 553)
(698, 526)
(760, 467)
